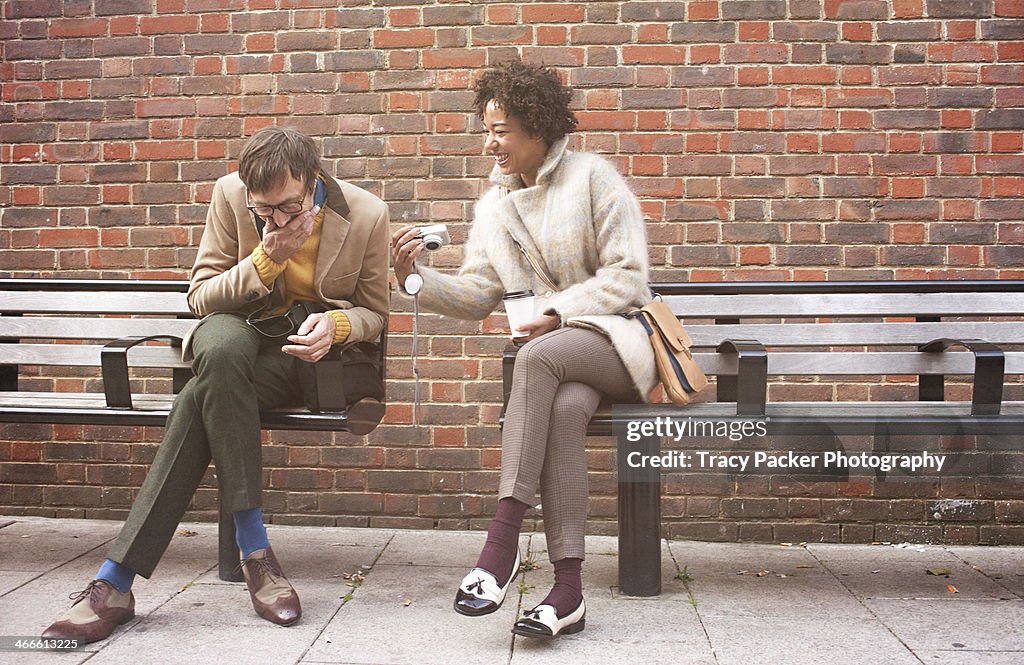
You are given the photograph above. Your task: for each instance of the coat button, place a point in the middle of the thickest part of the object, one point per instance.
(548, 294)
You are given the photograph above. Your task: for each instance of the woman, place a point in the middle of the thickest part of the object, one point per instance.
(577, 219)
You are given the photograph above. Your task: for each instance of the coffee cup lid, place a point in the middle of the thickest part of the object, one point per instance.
(513, 295)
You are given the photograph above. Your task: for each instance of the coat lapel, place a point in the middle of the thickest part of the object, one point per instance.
(332, 233)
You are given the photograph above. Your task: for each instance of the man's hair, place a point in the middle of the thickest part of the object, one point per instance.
(274, 153)
(532, 94)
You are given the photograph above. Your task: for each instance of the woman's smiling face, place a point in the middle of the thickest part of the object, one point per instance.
(515, 151)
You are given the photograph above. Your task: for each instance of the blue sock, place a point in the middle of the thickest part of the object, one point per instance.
(250, 534)
(120, 577)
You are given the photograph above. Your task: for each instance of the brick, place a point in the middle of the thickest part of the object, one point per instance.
(907, 119)
(856, 10)
(695, 77)
(734, 10)
(700, 255)
(454, 15)
(848, 54)
(123, 7)
(33, 9)
(1000, 119)
(593, 77)
(703, 33)
(804, 32)
(650, 99)
(357, 18)
(415, 38)
(500, 35)
(633, 12)
(354, 60)
(910, 31)
(959, 8)
(28, 132)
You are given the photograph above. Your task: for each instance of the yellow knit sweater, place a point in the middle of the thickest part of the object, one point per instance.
(298, 275)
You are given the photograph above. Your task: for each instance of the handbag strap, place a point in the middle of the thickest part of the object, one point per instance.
(543, 274)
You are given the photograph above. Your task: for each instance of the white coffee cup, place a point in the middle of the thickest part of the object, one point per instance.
(519, 308)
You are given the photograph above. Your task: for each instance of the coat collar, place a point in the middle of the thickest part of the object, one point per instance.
(550, 163)
(335, 228)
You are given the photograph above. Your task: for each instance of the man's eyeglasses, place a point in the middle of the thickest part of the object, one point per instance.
(278, 325)
(266, 211)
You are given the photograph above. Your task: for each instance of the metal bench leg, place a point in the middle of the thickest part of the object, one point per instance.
(640, 527)
(229, 554)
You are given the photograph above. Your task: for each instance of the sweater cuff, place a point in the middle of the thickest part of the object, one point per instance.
(342, 326)
(267, 268)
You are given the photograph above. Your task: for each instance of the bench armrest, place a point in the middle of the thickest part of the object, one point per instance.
(752, 375)
(989, 366)
(114, 364)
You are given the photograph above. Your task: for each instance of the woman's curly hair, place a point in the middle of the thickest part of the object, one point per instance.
(533, 94)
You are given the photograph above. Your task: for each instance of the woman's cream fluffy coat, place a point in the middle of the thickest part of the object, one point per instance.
(584, 226)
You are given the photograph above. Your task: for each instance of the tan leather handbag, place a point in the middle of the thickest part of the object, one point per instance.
(680, 375)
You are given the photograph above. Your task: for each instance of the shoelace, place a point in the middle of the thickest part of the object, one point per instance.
(531, 614)
(87, 592)
(262, 566)
(479, 584)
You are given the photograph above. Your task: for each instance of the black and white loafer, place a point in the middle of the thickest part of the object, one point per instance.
(543, 621)
(480, 593)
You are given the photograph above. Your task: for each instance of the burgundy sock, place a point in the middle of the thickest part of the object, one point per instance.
(567, 593)
(502, 544)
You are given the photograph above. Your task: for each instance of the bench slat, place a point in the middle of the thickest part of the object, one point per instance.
(854, 364)
(150, 410)
(857, 334)
(61, 302)
(66, 327)
(86, 355)
(794, 362)
(22, 400)
(848, 304)
(819, 409)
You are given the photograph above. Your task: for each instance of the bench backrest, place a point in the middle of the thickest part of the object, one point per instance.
(44, 315)
(794, 320)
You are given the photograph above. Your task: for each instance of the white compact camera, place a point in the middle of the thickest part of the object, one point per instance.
(434, 236)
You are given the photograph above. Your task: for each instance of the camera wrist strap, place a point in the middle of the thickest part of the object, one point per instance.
(415, 359)
(413, 284)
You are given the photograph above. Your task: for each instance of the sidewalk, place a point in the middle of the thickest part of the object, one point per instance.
(730, 604)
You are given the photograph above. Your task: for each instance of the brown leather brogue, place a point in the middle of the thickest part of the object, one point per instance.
(97, 611)
(273, 596)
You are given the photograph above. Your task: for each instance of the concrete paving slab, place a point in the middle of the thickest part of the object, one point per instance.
(163, 634)
(368, 632)
(702, 559)
(874, 579)
(37, 544)
(930, 625)
(804, 640)
(900, 552)
(1004, 565)
(601, 568)
(965, 657)
(582, 648)
(12, 580)
(46, 657)
(803, 594)
(424, 548)
(829, 607)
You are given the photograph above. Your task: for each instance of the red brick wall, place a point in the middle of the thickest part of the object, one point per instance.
(770, 139)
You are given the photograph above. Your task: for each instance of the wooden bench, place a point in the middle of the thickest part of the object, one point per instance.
(111, 325)
(747, 333)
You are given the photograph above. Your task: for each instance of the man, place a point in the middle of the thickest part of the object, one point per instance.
(278, 231)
